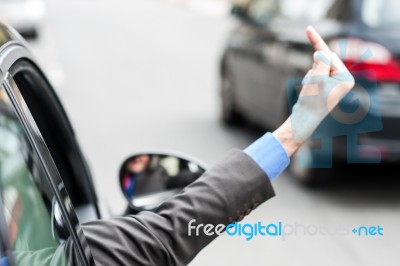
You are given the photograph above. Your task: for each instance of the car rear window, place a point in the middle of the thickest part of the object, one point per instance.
(381, 13)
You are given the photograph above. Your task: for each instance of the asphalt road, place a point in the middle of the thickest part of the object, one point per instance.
(136, 75)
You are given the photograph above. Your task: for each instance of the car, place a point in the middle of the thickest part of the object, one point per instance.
(268, 53)
(46, 187)
(26, 16)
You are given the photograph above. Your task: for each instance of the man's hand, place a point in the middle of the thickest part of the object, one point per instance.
(325, 84)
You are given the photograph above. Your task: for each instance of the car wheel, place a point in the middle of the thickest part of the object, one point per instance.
(230, 115)
(301, 168)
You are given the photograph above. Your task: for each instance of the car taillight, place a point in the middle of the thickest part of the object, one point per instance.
(372, 58)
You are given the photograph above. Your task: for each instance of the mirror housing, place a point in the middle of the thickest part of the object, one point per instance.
(147, 179)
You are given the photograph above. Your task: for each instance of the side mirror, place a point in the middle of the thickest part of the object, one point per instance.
(148, 179)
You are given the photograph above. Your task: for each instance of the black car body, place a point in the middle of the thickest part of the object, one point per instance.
(268, 53)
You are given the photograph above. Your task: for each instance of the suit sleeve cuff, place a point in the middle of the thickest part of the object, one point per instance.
(269, 154)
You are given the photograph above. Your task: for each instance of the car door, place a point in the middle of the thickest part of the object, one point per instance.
(271, 50)
(38, 220)
(257, 62)
(38, 223)
(57, 132)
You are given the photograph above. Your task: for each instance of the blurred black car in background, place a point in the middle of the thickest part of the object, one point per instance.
(26, 16)
(269, 48)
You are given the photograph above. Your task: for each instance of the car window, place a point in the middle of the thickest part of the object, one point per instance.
(29, 203)
(341, 10)
(56, 131)
(261, 11)
(378, 13)
(310, 10)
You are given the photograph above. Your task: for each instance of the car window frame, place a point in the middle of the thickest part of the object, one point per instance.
(49, 168)
(58, 133)
(10, 52)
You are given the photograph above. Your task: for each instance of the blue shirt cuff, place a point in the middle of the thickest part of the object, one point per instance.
(269, 154)
(3, 261)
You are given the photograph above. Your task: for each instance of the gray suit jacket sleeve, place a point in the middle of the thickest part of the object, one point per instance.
(224, 194)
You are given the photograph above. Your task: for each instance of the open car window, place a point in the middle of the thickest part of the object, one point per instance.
(54, 126)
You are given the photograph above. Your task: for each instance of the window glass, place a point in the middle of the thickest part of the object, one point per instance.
(27, 198)
(261, 11)
(378, 13)
(304, 9)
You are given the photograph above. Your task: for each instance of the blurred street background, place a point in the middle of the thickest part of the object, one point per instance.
(143, 74)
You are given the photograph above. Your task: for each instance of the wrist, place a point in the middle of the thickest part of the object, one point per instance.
(285, 136)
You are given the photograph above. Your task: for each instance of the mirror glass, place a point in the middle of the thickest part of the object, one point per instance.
(149, 179)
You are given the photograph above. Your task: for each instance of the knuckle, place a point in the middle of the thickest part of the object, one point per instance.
(317, 57)
(321, 59)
